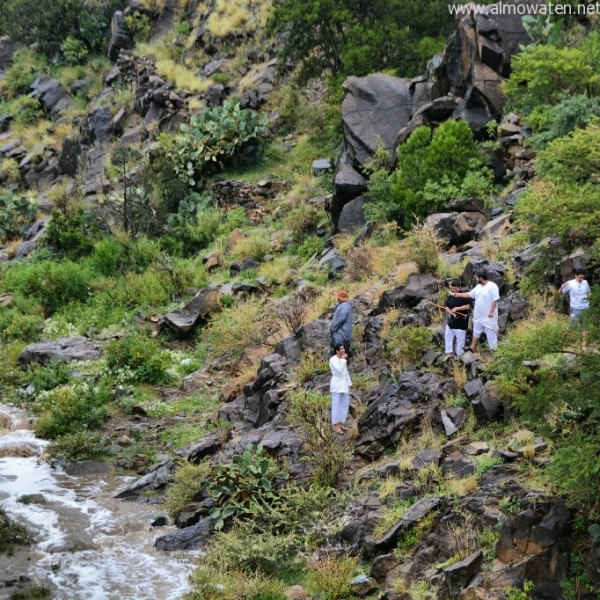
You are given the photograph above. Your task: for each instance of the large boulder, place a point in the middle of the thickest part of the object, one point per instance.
(399, 411)
(352, 217)
(64, 349)
(419, 287)
(52, 95)
(98, 125)
(204, 303)
(375, 108)
(120, 38)
(189, 538)
(68, 160)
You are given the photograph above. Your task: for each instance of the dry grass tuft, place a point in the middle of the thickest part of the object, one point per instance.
(461, 487)
(390, 317)
(459, 373)
(359, 264)
(181, 76)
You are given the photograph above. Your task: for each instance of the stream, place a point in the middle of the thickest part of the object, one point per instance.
(88, 545)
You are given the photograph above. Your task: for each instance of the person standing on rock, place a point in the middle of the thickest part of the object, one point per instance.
(340, 389)
(579, 296)
(457, 321)
(341, 323)
(485, 312)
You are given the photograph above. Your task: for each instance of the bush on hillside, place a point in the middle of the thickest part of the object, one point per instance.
(572, 159)
(406, 345)
(71, 408)
(430, 170)
(570, 211)
(545, 74)
(138, 358)
(356, 38)
(575, 470)
(552, 122)
(16, 214)
(312, 411)
(52, 285)
(214, 138)
(71, 234)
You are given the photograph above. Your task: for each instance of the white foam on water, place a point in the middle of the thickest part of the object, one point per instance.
(124, 564)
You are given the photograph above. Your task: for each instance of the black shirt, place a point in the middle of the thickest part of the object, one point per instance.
(458, 322)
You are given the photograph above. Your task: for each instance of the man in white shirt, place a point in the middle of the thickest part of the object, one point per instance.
(485, 313)
(579, 295)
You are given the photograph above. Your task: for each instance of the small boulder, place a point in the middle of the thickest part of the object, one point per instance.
(203, 304)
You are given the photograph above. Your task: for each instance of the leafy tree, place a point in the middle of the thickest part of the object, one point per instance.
(355, 37)
(573, 159)
(545, 74)
(51, 23)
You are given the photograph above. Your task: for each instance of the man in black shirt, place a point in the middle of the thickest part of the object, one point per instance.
(456, 324)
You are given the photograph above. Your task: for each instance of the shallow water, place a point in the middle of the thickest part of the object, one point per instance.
(88, 544)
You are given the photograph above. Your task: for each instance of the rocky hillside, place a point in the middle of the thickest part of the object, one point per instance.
(177, 218)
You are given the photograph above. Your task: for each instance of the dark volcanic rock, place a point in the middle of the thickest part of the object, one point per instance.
(458, 576)
(411, 517)
(419, 287)
(62, 349)
(375, 108)
(189, 538)
(399, 410)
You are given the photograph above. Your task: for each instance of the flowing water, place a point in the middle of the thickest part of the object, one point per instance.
(88, 546)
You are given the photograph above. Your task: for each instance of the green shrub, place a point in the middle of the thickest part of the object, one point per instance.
(243, 488)
(575, 470)
(243, 548)
(16, 215)
(140, 26)
(11, 374)
(45, 378)
(254, 246)
(46, 27)
(52, 285)
(214, 584)
(327, 455)
(136, 290)
(216, 136)
(138, 358)
(544, 74)
(188, 480)
(429, 169)
(80, 445)
(405, 345)
(107, 256)
(68, 409)
(27, 66)
(569, 211)
(313, 244)
(26, 111)
(571, 159)
(302, 219)
(14, 325)
(74, 50)
(178, 275)
(71, 234)
(552, 122)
